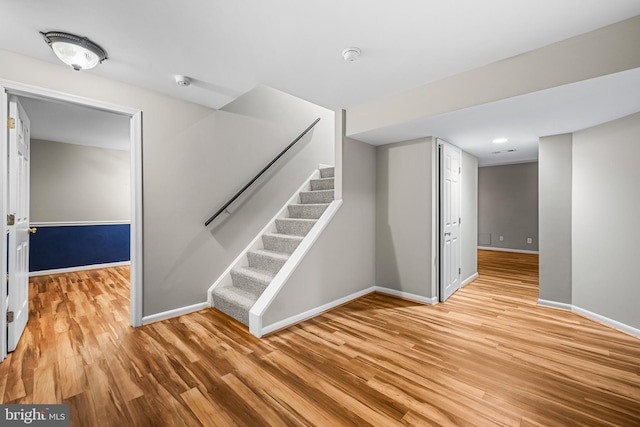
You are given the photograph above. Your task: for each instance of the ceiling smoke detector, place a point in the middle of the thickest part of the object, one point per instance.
(350, 54)
(182, 80)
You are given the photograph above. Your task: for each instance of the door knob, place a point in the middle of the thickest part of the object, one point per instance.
(33, 230)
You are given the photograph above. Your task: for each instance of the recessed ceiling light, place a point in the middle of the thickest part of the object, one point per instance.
(79, 53)
(500, 140)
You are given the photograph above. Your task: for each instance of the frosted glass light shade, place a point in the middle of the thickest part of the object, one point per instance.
(75, 56)
(79, 53)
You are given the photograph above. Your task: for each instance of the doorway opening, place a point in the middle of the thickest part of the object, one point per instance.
(10, 89)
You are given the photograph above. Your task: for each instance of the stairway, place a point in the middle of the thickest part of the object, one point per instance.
(261, 265)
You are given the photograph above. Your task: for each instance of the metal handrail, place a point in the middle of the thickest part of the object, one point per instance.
(255, 178)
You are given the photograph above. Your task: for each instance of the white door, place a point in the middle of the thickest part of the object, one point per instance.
(18, 223)
(450, 170)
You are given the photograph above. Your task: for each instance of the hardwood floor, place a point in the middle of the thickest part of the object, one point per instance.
(488, 356)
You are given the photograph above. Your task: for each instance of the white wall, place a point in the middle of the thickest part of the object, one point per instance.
(76, 183)
(554, 166)
(341, 262)
(469, 212)
(193, 159)
(605, 227)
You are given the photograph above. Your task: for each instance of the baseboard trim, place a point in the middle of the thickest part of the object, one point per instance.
(605, 320)
(469, 279)
(285, 323)
(406, 295)
(174, 313)
(79, 268)
(312, 313)
(554, 304)
(593, 316)
(517, 251)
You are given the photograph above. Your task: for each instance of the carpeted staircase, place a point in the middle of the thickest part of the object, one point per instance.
(249, 282)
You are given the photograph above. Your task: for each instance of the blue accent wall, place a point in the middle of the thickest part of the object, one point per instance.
(55, 247)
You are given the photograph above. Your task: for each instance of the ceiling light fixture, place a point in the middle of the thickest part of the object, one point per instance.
(350, 54)
(79, 53)
(500, 140)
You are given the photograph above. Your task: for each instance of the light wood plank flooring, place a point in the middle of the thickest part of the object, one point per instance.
(487, 357)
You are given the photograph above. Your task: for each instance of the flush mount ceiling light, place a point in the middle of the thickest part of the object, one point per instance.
(79, 53)
(350, 54)
(500, 140)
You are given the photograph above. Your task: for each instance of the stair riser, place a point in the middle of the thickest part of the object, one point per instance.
(279, 244)
(327, 173)
(316, 196)
(261, 262)
(230, 308)
(322, 184)
(294, 228)
(306, 212)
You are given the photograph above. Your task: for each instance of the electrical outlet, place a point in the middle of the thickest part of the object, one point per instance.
(501, 238)
(529, 240)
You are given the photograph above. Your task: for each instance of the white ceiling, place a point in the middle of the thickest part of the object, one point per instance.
(229, 47)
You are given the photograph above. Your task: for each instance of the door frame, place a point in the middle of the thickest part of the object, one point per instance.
(135, 133)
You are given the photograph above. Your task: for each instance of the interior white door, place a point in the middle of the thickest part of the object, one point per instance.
(450, 263)
(18, 223)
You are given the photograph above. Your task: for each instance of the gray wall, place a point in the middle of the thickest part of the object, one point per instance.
(508, 206)
(469, 212)
(406, 215)
(75, 183)
(206, 169)
(554, 166)
(606, 208)
(404, 253)
(341, 262)
(193, 159)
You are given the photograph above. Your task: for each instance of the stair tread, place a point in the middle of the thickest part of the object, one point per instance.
(318, 191)
(271, 254)
(297, 219)
(286, 236)
(310, 204)
(261, 275)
